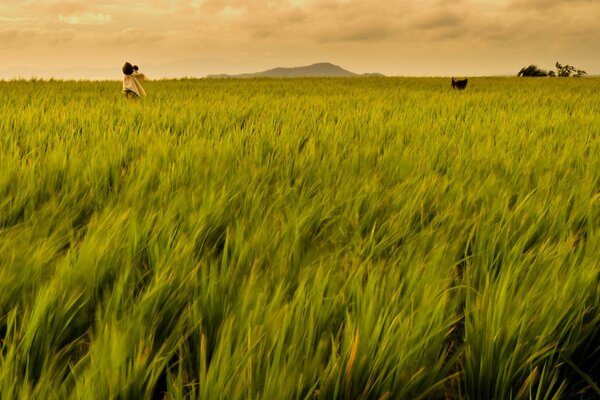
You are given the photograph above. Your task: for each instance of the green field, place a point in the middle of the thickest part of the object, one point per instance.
(368, 238)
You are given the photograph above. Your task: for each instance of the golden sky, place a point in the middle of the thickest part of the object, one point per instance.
(169, 38)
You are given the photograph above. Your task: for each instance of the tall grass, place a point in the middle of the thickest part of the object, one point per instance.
(312, 238)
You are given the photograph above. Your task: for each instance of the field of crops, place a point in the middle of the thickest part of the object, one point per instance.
(368, 238)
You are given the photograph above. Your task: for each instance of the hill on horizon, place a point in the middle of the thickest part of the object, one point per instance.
(319, 70)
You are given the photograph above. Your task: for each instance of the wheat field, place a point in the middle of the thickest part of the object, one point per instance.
(360, 238)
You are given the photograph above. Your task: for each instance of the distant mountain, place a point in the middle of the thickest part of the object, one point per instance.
(315, 70)
(172, 70)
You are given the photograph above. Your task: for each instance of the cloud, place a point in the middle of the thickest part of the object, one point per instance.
(365, 33)
(86, 18)
(63, 7)
(437, 20)
(550, 4)
(272, 25)
(17, 20)
(8, 37)
(361, 32)
(29, 37)
(134, 36)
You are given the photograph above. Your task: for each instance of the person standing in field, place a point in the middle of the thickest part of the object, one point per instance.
(131, 86)
(138, 75)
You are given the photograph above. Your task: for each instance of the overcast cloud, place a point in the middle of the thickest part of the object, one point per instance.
(200, 37)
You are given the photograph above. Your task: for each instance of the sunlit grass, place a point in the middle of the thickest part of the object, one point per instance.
(312, 238)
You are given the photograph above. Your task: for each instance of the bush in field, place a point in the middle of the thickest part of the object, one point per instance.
(532, 71)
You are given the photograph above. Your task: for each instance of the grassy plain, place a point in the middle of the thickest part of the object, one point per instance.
(366, 238)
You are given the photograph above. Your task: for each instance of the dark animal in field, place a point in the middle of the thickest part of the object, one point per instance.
(459, 83)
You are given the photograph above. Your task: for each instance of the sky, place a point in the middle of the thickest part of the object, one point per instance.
(194, 38)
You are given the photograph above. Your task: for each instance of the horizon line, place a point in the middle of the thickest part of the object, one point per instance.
(34, 78)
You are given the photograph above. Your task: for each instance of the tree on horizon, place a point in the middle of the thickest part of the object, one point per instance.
(532, 71)
(568, 70)
(561, 70)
